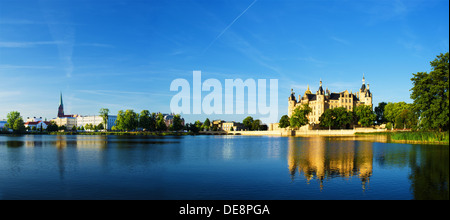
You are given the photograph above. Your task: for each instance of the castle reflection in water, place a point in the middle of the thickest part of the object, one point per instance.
(314, 158)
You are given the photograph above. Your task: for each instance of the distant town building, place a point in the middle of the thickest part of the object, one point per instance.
(96, 120)
(68, 122)
(217, 124)
(232, 126)
(324, 99)
(37, 124)
(168, 119)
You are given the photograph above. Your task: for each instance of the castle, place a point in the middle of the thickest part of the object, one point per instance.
(324, 99)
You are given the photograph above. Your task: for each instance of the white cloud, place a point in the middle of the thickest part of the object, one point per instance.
(29, 44)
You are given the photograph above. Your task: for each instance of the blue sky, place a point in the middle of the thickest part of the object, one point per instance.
(124, 54)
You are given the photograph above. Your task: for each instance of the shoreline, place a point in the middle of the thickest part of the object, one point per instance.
(378, 136)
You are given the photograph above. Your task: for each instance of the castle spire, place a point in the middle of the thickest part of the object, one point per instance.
(363, 87)
(320, 88)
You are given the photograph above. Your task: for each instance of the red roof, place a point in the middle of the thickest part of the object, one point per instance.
(36, 122)
(32, 122)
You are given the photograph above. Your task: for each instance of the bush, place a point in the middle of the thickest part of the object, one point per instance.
(389, 126)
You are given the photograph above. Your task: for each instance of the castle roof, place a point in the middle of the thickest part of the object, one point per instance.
(363, 87)
(335, 96)
(311, 97)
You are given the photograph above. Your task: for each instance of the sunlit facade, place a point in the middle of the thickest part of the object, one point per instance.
(324, 99)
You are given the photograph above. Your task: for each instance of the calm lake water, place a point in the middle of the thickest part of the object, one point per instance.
(219, 167)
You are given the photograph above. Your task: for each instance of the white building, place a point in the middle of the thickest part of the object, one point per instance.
(96, 120)
(37, 124)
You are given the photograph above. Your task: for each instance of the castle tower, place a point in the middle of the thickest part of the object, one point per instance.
(320, 102)
(365, 96)
(61, 107)
(292, 103)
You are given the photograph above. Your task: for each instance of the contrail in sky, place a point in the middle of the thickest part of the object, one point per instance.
(224, 30)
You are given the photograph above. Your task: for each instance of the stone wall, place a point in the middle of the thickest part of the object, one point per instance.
(306, 132)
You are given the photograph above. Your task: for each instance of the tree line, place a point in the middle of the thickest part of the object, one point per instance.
(331, 118)
(248, 123)
(129, 120)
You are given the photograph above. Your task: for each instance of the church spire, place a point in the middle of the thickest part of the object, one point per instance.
(61, 106)
(60, 99)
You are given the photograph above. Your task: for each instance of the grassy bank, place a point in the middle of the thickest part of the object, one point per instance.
(421, 136)
(415, 136)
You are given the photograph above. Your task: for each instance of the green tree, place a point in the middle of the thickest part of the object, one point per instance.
(248, 122)
(120, 121)
(406, 119)
(74, 128)
(401, 115)
(153, 122)
(52, 127)
(284, 122)
(160, 123)
(177, 123)
(344, 118)
(389, 125)
(104, 112)
(365, 115)
(144, 120)
(430, 93)
(100, 126)
(18, 126)
(328, 119)
(206, 124)
(192, 128)
(11, 119)
(198, 125)
(127, 120)
(379, 111)
(131, 120)
(300, 116)
(256, 125)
